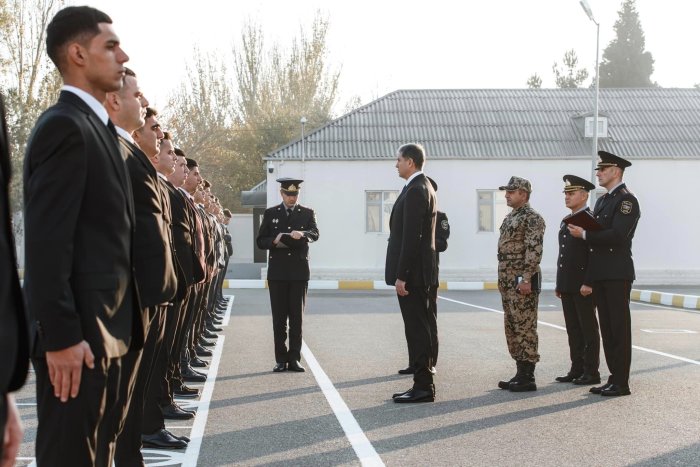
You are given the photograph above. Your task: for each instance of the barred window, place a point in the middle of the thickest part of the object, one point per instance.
(491, 209)
(379, 205)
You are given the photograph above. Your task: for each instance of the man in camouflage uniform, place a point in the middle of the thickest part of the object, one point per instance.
(519, 255)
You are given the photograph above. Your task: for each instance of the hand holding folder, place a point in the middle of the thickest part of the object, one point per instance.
(583, 219)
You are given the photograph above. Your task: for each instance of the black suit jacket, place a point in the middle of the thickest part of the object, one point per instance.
(290, 263)
(79, 227)
(410, 255)
(610, 249)
(14, 336)
(153, 256)
(572, 263)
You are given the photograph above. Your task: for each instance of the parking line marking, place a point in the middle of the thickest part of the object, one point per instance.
(643, 349)
(363, 448)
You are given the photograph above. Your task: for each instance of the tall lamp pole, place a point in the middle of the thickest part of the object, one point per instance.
(303, 148)
(587, 8)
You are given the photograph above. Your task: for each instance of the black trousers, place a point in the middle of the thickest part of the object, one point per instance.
(183, 306)
(3, 417)
(81, 431)
(582, 330)
(287, 300)
(140, 364)
(416, 312)
(612, 298)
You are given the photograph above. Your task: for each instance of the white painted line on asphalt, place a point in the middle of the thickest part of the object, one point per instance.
(543, 323)
(18, 404)
(229, 305)
(667, 308)
(643, 349)
(362, 446)
(669, 331)
(200, 421)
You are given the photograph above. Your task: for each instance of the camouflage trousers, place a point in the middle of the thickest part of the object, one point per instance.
(520, 323)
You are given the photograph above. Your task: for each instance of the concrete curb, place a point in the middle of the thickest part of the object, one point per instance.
(691, 302)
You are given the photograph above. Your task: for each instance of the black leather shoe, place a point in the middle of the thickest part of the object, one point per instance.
(191, 376)
(294, 365)
(279, 367)
(212, 329)
(614, 390)
(197, 362)
(162, 439)
(209, 334)
(569, 377)
(185, 392)
(397, 394)
(202, 352)
(409, 370)
(206, 343)
(181, 438)
(415, 395)
(587, 380)
(175, 412)
(599, 389)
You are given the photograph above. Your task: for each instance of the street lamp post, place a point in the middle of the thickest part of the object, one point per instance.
(303, 148)
(587, 8)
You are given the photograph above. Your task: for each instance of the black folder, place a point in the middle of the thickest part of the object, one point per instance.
(583, 219)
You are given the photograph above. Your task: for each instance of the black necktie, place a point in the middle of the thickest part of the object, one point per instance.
(289, 212)
(111, 127)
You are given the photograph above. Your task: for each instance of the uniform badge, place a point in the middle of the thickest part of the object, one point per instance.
(275, 220)
(444, 224)
(626, 207)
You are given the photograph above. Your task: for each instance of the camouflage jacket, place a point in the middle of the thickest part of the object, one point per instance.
(520, 243)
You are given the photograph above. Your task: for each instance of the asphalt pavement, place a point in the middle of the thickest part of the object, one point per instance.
(340, 409)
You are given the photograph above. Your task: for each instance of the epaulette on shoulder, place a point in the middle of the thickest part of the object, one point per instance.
(625, 191)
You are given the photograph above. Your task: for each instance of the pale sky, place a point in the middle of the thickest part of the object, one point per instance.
(384, 45)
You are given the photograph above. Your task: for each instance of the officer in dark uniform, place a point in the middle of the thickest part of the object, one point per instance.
(286, 230)
(574, 289)
(612, 269)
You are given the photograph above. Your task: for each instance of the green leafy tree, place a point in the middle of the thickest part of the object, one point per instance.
(625, 62)
(534, 81)
(567, 75)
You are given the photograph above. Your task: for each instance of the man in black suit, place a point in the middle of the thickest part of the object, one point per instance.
(573, 287)
(79, 224)
(612, 269)
(14, 337)
(411, 266)
(153, 262)
(286, 231)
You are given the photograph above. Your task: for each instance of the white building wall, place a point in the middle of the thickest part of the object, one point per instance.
(664, 247)
(241, 229)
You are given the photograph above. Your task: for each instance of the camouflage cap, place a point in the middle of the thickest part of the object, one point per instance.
(517, 183)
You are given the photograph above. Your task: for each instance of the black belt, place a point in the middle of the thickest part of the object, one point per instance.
(507, 256)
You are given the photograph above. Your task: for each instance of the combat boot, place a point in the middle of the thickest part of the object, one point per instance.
(506, 384)
(526, 382)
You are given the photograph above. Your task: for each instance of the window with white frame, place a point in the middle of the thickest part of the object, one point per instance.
(379, 205)
(491, 208)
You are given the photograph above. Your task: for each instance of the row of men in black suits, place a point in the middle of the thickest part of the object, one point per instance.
(125, 249)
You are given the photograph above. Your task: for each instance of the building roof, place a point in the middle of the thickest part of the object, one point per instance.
(510, 124)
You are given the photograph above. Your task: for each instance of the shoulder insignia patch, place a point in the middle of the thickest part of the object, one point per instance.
(626, 207)
(444, 224)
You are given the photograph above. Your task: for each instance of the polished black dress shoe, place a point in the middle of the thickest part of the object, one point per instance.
(409, 370)
(599, 389)
(185, 392)
(202, 352)
(181, 438)
(614, 390)
(587, 380)
(415, 395)
(197, 362)
(209, 334)
(175, 412)
(397, 394)
(567, 378)
(191, 376)
(279, 367)
(294, 365)
(213, 329)
(206, 343)
(162, 439)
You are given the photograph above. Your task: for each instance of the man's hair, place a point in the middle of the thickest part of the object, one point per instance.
(415, 152)
(129, 72)
(227, 213)
(167, 135)
(191, 163)
(206, 184)
(73, 23)
(150, 112)
(180, 153)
